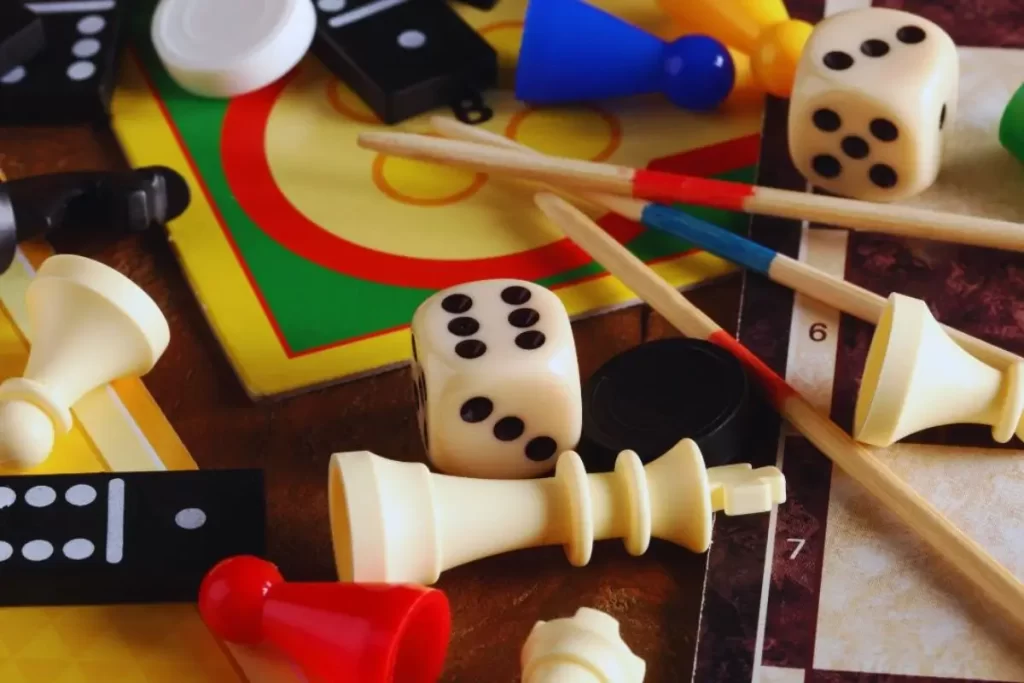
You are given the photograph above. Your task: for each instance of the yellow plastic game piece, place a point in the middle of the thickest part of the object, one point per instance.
(761, 29)
(396, 522)
(917, 377)
(586, 648)
(89, 326)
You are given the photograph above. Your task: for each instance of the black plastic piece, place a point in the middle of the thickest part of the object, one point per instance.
(22, 36)
(649, 398)
(404, 59)
(121, 201)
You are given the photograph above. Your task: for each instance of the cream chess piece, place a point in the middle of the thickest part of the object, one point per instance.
(397, 522)
(586, 648)
(89, 325)
(916, 377)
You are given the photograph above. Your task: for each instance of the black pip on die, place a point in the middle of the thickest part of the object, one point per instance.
(496, 379)
(875, 91)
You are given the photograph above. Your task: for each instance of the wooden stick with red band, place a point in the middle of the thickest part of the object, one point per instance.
(1001, 588)
(668, 188)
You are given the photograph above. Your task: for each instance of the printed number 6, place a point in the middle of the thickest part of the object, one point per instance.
(818, 332)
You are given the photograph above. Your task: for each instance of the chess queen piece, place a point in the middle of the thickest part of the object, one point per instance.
(397, 522)
(337, 632)
(585, 648)
(917, 377)
(89, 325)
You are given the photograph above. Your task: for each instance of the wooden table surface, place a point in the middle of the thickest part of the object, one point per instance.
(496, 601)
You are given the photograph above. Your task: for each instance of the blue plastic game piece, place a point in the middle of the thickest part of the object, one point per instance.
(573, 52)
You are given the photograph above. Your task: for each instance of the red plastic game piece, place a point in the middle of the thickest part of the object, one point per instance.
(337, 632)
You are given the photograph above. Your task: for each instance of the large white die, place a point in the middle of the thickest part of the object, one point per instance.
(496, 379)
(875, 91)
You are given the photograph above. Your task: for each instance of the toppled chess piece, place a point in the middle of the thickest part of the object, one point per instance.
(125, 201)
(396, 522)
(88, 325)
(586, 648)
(917, 377)
(336, 632)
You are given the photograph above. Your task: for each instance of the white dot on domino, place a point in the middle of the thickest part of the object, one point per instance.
(7, 497)
(80, 495)
(91, 25)
(37, 551)
(190, 518)
(78, 549)
(80, 71)
(40, 496)
(13, 76)
(85, 48)
(6, 550)
(331, 5)
(411, 40)
(231, 47)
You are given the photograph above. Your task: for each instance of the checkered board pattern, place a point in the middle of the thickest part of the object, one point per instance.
(831, 587)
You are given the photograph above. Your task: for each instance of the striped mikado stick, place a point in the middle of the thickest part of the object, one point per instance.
(789, 272)
(662, 187)
(999, 587)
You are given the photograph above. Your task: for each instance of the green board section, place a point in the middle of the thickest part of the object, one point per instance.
(313, 306)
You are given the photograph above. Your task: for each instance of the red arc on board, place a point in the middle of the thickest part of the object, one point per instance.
(249, 176)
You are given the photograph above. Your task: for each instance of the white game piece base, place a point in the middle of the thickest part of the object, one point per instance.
(586, 648)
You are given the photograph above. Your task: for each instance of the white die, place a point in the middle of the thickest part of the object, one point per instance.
(496, 379)
(875, 91)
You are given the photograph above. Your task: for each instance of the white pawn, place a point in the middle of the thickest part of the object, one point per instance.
(89, 325)
(586, 648)
(916, 377)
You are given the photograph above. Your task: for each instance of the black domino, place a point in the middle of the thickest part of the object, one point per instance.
(21, 35)
(72, 80)
(110, 538)
(406, 57)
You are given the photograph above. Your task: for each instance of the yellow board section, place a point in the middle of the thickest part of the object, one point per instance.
(419, 200)
(116, 428)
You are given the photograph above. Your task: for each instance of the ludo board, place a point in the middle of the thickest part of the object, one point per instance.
(831, 588)
(118, 427)
(309, 254)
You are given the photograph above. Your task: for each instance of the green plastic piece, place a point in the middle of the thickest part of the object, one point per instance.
(1011, 126)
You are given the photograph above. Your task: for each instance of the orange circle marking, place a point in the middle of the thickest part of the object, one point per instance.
(402, 172)
(348, 104)
(542, 125)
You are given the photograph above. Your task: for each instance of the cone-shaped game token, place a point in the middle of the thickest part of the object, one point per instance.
(573, 52)
(337, 632)
(1011, 125)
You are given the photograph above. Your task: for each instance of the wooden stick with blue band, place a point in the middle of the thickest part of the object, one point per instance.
(789, 272)
(1003, 592)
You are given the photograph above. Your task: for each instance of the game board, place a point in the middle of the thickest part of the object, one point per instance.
(117, 428)
(833, 588)
(309, 254)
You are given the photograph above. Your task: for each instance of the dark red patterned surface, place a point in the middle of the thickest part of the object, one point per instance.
(858, 677)
(980, 291)
(792, 613)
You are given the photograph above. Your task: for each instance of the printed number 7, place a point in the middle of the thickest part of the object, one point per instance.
(799, 546)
